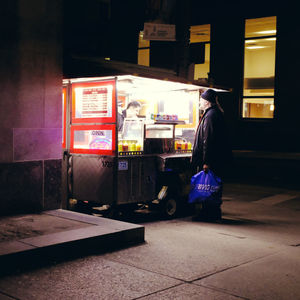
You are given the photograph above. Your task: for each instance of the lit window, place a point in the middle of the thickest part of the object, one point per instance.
(200, 50)
(259, 68)
(143, 51)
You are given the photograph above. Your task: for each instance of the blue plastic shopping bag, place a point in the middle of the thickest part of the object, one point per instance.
(205, 187)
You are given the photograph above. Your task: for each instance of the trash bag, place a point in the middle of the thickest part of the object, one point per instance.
(205, 187)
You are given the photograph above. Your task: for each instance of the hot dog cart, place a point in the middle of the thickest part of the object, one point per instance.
(148, 160)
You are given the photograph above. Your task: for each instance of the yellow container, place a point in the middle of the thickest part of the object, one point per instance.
(176, 145)
(132, 147)
(120, 147)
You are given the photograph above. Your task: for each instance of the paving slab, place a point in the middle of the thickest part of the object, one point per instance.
(84, 218)
(14, 228)
(13, 247)
(197, 250)
(61, 234)
(91, 278)
(273, 277)
(191, 292)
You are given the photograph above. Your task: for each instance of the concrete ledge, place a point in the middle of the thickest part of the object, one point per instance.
(101, 236)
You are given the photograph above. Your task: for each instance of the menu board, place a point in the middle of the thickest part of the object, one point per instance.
(93, 139)
(93, 102)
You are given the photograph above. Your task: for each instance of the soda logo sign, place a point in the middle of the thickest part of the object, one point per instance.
(107, 164)
(98, 132)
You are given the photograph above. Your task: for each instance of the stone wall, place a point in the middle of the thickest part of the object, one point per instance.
(30, 105)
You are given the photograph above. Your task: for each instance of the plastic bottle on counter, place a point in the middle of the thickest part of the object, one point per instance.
(125, 146)
(179, 145)
(132, 146)
(138, 147)
(120, 147)
(189, 146)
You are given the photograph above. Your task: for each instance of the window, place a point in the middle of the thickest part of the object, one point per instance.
(200, 50)
(143, 51)
(259, 68)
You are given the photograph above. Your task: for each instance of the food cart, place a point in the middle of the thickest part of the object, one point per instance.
(148, 161)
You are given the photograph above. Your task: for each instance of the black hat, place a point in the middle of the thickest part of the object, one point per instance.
(210, 95)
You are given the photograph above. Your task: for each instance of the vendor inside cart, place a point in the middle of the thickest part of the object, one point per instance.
(132, 111)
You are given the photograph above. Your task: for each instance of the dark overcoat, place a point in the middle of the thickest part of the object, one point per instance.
(211, 145)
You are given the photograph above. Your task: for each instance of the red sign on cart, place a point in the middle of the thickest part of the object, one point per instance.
(64, 110)
(93, 102)
(93, 139)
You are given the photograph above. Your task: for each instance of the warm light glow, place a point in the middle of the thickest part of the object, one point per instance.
(200, 33)
(255, 47)
(272, 107)
(271, 39)
(267, 32)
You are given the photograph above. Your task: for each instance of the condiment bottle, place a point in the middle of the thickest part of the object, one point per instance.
(125, 146)
(132, 147)
(120, 147)
(179, 145)
(176, 145)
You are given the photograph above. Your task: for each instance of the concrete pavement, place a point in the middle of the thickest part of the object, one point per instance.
(253, 254)
(34, 239)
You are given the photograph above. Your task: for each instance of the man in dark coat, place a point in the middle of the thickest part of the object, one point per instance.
(211, 151)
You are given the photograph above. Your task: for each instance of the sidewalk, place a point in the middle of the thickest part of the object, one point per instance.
(253, 254)
(31, 239)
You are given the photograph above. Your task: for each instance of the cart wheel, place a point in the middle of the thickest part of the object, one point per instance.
(170, 207)
(111, 213)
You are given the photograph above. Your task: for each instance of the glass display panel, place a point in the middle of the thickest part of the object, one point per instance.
(161, 100)
(159, 131)
(132, 137)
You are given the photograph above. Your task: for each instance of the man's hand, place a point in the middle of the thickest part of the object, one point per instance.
(205, 168)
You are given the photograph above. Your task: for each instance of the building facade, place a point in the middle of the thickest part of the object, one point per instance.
(250, 49)
(30, 105)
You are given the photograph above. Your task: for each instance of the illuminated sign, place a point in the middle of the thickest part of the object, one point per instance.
(93, 102)
(93, 139)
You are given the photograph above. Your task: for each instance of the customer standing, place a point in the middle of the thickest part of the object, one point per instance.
(211, 150)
